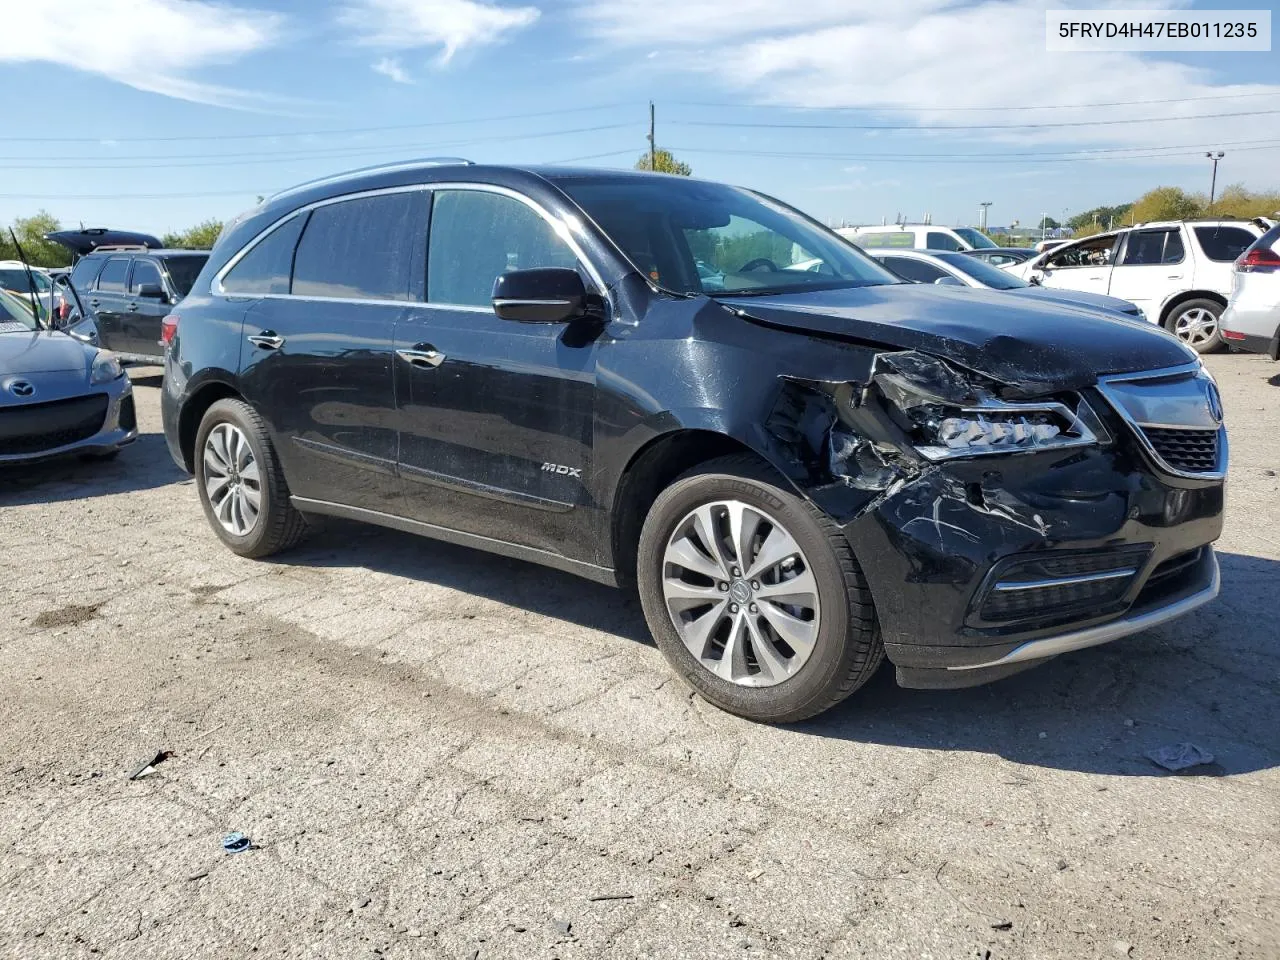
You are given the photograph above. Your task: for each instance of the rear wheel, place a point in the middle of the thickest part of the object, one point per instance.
(754, 596)
(240, 484)
(1197, 324)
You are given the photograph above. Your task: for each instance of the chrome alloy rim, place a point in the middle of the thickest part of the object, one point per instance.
(1196, 326)
(741, 594)
(232, 480)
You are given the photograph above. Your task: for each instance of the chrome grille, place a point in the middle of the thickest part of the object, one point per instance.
(1176, 414)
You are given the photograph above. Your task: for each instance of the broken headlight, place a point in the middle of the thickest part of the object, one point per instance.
(947, 412)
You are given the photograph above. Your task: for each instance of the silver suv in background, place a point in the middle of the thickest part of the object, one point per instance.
(1252, 319)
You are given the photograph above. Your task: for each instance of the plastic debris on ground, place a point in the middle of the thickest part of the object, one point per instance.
(1180, 756)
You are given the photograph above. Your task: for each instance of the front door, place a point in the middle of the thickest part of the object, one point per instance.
(496, 416)
(1151, 264)
(1085, 265)
(317, 361)
(140, 322)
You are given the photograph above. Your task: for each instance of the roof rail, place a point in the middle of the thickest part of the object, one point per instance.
(120, 248)
(376, 168)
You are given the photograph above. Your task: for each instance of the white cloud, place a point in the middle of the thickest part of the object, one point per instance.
(908, 58)
(152, 45)
(390, 67)
(451, 25)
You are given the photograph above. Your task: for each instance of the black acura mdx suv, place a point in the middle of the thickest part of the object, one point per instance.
(802, 463)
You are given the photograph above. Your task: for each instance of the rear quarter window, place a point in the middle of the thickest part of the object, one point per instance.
(1224, 244)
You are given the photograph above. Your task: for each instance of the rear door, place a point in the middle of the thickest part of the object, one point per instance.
(107, 301)
(497, 417)
(1152, 266)
(316, 360)
(140, 323)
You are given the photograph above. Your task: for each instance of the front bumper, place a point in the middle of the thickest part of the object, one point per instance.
(100, 420)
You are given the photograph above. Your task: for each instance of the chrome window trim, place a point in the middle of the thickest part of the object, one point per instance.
(561, 229)
(1195, 369)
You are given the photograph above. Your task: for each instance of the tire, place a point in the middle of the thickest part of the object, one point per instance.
(845, 649)
(276, 524)
(1190, 314)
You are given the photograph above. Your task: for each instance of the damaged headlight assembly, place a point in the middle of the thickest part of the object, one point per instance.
(947, 413)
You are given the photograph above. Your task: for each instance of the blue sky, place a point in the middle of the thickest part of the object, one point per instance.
(155, 114)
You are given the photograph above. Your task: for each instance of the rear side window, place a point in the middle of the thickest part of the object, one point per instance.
(917, 271)
(144, 271)
(899, 239)
(942, 241)
(1224, 244)
(364, 249)
(1147, 247)
(266, 267)
(112, 277)
(85, 273)
(476, 236)
(183, 272)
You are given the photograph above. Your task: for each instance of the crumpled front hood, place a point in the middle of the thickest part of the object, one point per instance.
(1034, 346)
(42, 351)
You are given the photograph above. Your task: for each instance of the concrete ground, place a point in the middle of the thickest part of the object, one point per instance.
(442, 754)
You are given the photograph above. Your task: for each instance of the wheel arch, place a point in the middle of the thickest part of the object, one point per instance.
(1179, 299)
(193, 411)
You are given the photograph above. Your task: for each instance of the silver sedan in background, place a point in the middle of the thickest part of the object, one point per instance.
(58, 395)
(1252, 319)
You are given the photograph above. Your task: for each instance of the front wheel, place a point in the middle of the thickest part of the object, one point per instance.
(241, 486)
(754, 596)
(1197, 324)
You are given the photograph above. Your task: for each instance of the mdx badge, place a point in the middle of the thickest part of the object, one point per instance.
(562, 470)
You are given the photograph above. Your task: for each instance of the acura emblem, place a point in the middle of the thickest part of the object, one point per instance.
(20, 388)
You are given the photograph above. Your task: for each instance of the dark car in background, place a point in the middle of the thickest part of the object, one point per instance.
(128, 293)
(802, 463)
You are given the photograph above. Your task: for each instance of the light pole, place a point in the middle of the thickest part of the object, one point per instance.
(1213, 184)
(982, 215)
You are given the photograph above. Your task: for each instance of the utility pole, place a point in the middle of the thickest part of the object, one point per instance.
(1213, 184)
(653, 148)
(982, 215)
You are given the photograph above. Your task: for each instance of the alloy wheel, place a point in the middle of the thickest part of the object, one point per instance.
(1196, 327)
(741, 594)
(232, 480)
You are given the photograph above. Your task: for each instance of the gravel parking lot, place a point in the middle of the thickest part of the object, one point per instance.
(440, 753)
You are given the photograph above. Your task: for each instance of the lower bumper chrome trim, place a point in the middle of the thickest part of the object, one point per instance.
(1106, 632)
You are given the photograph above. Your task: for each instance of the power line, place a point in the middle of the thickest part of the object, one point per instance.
(976, 126)
(319, 133)
(956, 109)
(1135, 153)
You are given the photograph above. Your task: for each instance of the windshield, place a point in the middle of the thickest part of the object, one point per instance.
(975, 238)
(692, 237)
(983, 272)
(183, 272)
(16, 314)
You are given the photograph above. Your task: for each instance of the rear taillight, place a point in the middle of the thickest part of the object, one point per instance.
(1231, 334)
(168, 327)
(1260, 258)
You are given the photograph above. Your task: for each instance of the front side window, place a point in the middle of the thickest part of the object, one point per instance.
(112, 277)
(1094, 252)
(1224, 244)
(975, 238)
(1153, 247)
(747, 244)
(476, 236)
(362, 249)
(941, 241)
(144, 271)
(267, 265)
(917, 271)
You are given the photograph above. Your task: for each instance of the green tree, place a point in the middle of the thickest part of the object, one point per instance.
(1237, 201)
(39, 251)
(663, 162)
(1099, 219)
(200, 237)
(1165, 203)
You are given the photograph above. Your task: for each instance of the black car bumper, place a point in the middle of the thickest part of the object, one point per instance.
(1252, 343)
(981, 569)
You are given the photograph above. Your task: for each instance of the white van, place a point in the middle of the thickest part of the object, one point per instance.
(920, 236)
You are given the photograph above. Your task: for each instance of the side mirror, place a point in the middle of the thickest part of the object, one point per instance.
(948, 282)
(544, 295)
(1036, 279)
(151, 291)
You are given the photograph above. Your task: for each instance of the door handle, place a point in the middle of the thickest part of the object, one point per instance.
(1174, 276)
(422, 356)
(267, 340)
(133, 306)
(94, 303)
